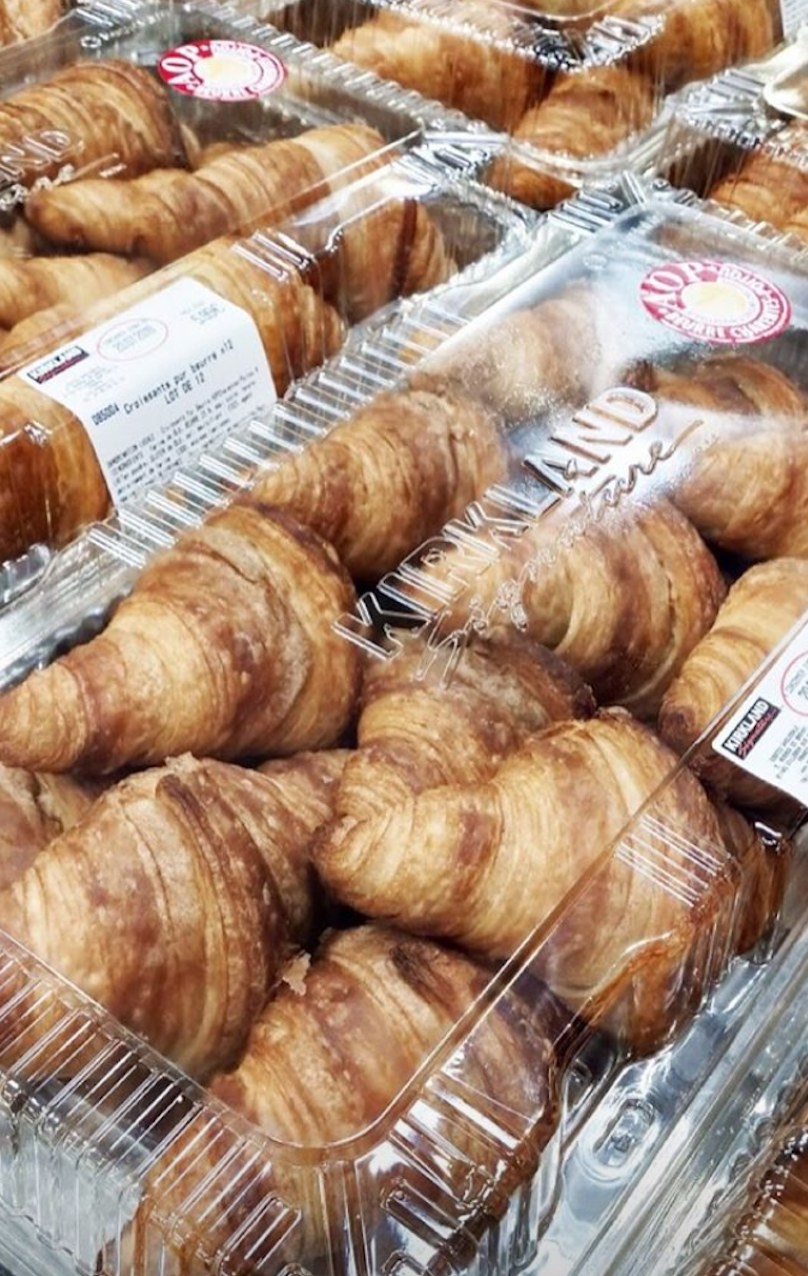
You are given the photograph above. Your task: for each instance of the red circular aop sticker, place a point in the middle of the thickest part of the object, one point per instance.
(221, 70)
(716, 301)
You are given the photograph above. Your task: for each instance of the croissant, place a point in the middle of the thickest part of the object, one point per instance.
(224, 648)
(622, 598)
(748, 491)
(565, 348)
(418, 729)
(697, 38)
(758, 611)
(798, 225)
(767, 188)
(166, 213)
(52, 483)
(325, 1062)
(485, 864)
(584, 115)
(24, 340)
(116, 115)
(34, 809)
(771, 1237)
(764, 861)
(180, 932)
(460, 62)
(31, 285)
(23, 19)
(390, 476)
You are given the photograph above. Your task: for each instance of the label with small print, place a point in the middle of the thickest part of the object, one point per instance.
(221, 70)
(719, 302)
(159, 383)
(768, 735)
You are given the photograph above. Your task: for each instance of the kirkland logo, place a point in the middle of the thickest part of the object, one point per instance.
(751, 727)
(58, 363)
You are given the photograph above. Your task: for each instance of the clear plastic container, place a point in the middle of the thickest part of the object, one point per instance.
(577, 85)
(427, 1111)
(741, 139)
(252, 295)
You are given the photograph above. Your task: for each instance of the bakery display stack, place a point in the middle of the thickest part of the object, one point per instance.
(402, 650)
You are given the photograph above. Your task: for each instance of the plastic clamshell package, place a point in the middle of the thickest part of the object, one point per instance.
(315, 262)
(108, 1150)
(577, 86)
(741, 139)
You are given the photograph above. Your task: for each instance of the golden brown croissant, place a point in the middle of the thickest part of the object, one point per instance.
(389, 476)
(328, 1059)
(116, 115)
(768, 188)
(23, 19)
(34, 809)
(699, 37)
(52, 483)
(225, 647)
(24, 341)
(419, 728)
(463, 65)
(758, 611)
(563, 348)
(584, 115)
(748, 490)
(166, 213)
(764, 861)
(178, 898)
(31, 285)
(623, 598)
(485, 864)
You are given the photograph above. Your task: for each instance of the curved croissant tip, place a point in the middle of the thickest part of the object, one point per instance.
(676, 726)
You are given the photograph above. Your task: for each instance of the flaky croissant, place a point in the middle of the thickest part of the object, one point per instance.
(486, 864)
(389, 476)
(419, 727)
(116, 115)
(768, 187)
(562, 349)
(224, 648)
(23, 19)
(622, 598)
(747, 491)
(697, 38)
(585, 115)
(463, 64)
(326, 1062)
(178, 898)
(28, 286)
(166, 213)
(758, 611)
(34, 809)
(764, 860)
(52, 483)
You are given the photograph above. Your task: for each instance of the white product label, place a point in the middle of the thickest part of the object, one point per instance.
(768, 735)
(794, 13)
(159, 382)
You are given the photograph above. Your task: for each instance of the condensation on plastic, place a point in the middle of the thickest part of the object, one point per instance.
(95, 1131)
(581, 89)
(741, 139)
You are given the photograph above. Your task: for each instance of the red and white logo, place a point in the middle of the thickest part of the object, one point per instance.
(221, 70)
(716, 301)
